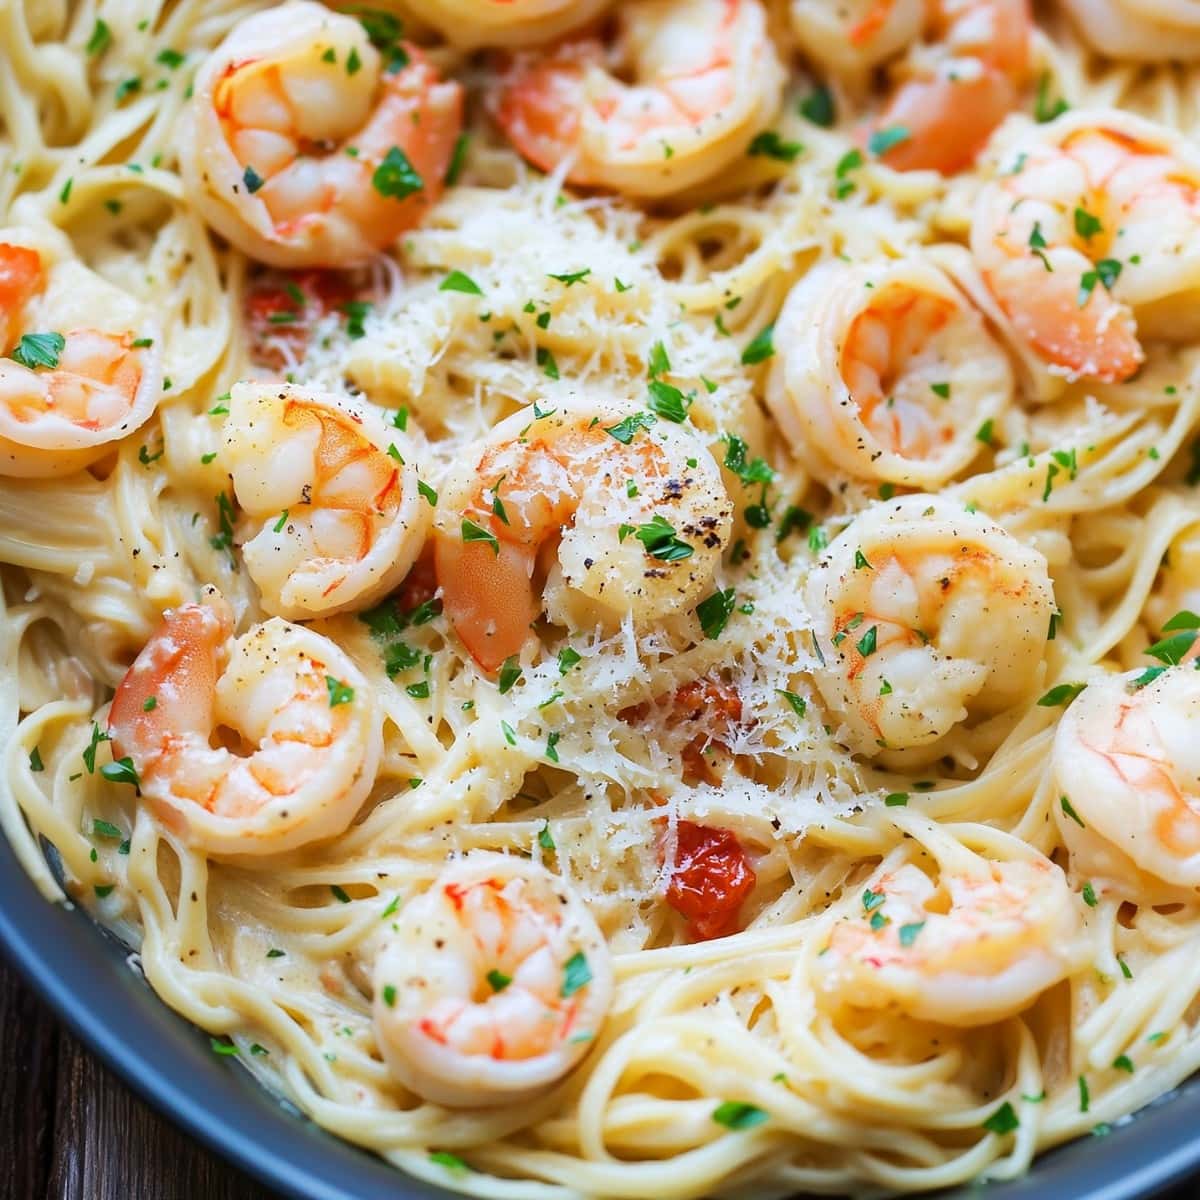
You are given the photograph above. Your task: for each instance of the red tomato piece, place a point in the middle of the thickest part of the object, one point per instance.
(711, 877)
(281, 311)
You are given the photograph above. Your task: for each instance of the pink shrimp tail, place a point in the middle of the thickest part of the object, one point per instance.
(169, 688)
(487, 595)
(950, 117)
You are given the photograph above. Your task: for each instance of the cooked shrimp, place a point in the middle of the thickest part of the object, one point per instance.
(853, 36)
(1089, 235)
(492, 985)
(336, 506)
(708, 80)
(1140, 30)
(973, 947)
(887, 371)
(636, 528)
(67, 392)
(475, 23)
(248, 746)
(959, 85)
(1127, 759)
(929, 615)
(304, 148)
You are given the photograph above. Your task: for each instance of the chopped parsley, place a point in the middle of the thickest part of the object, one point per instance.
(818, 107)
(339, 693)
(1044, 108)
(356, 312)
(737, 1115)
(714, 613)
(576, 975)
(1065, 804)
(1003, 1120)
(1106, 272)
(761, 347)
(1086, 224)
(569, 278)
(457, 159)
(658, 537)
(1061, 695)
(456, 281)
(510, 672)
(451, 1162)
(121, 771)
(395, 177)
(883, 140)
(475, 533)
(39, 350)
(100, 40)
(769, 144)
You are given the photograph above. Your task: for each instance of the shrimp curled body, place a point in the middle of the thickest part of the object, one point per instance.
(87, 387)
(971, 949)
(933, 615)
(302, 709)
(1088, 237)
(635, 513)
(305, 149)
(492, 985)
(888, 371)
(339, 515)
(1127, 757)
(708, 77)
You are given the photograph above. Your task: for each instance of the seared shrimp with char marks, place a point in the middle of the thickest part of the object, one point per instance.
(632, 511)
(305, 148)
(887, 371)
(68, 392)
(1090, 235)
(493, 984)
(475, 23)
(707, 80)
(338, 512)
(976, 945)
(1127, 760)
(929, 615)
(254, 745)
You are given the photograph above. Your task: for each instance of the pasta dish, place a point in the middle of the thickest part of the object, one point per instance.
(607, 594)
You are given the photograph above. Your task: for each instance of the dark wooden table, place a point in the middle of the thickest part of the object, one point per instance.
(70, 1131)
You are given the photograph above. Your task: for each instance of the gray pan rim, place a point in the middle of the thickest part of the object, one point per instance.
(82, 974)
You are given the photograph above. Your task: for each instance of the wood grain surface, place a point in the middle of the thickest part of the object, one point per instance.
(70, 1131)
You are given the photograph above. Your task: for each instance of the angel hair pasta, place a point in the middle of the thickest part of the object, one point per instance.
(606, 594)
